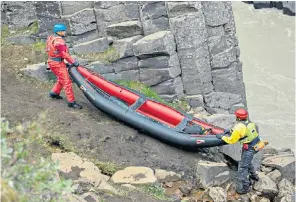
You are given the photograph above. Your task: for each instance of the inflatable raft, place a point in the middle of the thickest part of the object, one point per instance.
(147, 115)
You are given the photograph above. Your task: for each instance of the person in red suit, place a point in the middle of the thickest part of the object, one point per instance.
(57, 51)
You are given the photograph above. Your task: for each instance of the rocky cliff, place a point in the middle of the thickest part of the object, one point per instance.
(181, 49)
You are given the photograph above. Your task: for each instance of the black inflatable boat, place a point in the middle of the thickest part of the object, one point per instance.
(145, 114)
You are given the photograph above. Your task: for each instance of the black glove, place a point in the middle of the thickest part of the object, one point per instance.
(75, 64)
(68, 65)
(226, 131)
(219, 136)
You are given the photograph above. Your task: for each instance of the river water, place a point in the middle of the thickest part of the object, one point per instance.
(267, 43)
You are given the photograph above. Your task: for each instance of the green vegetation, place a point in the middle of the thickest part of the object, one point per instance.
(24, 179)
(6, 32)
(108, 168)
(108, 56)
(58, 142)
(155, 190)
(148, 92)
(39, 46)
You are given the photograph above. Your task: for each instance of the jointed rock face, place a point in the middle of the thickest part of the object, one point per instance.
(189, 46)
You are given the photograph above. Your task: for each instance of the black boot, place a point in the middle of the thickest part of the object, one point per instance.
(245, 190)
(74, 105)
(55, 96)
(254, 177)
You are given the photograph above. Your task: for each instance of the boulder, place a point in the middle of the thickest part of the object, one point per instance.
(124, 29)
(159, 43)
(166, 176)
(218, 194)
(275, 176)
(95, 46)
(285, 163)
(224, 59)
(220, 13)
(170, 87)
(269, 151)
(222, 120)
(265, 170)
(134, 175)
(222, 100)
(154, 17)
(233, 151)
(37, 71)
(195, 101)
(19, 14)
(212, 173)
(177, 9)
(82, 22)
(20, 40)
(125, 46)
(129, 63)
(192, 26)
(74, 167)
(158, 69)
(255, 198)
(266, 186)
(69, 7)
(286, 188)
(101, 68)
(285, 151)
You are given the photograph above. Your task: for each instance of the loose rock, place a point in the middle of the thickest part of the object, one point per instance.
(218, 194)
(212, 173)
(285, 163)
(134, 175)
(266, 186)
(166, 176)
(275, 175)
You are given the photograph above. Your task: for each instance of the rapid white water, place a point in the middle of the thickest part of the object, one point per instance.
(267, 43)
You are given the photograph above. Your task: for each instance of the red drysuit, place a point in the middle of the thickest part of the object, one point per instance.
(58, 51)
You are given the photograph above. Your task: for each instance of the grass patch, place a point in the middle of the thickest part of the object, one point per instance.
(6, 32)
(108, 168)
(155, 190)
(148, 92)
(57, 143)
(108, 56)
(39, 46)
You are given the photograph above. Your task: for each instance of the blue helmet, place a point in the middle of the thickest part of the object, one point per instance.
(59, 28)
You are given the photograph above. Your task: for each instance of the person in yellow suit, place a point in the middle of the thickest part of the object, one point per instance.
(246, 132)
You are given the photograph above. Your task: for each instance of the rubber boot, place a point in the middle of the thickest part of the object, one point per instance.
(55, 96)
(74, 105)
